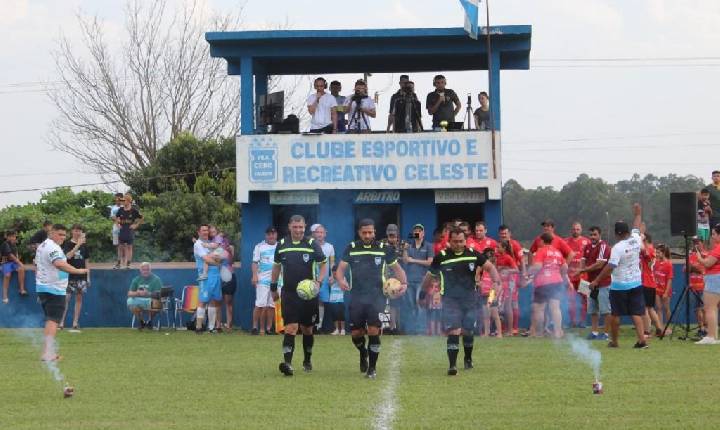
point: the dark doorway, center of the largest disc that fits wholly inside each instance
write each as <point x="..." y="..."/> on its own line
<point x="281" y="216"/>
<point x="381" y="214"/>
<point x="470" y="212"/>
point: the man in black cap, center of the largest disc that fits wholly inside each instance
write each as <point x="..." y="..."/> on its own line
<point x="558" y="242"/>
<point x="626" y="289"/>
<point x="417" y="257"/>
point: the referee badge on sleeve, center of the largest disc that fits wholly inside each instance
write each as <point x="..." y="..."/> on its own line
<point x="378" y="260"/>
<point x="306" y="257"/>
<point x="471" y="266"/>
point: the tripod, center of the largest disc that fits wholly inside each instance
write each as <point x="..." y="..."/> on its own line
<point x="469" y="113"/>
<point x="684" y="297"/>
<point x="354" y="125"/>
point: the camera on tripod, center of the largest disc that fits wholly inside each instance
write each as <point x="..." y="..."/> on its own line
<point x="358" y="97"/>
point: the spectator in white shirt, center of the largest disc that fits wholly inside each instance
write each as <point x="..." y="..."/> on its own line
<point x="321" y="106"/>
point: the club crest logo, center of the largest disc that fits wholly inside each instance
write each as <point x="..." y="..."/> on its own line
<point x="306" y="257"/>
<point x="378" y="260"/>
<point x="263" y="160"/>
<point x="471" y="266"/>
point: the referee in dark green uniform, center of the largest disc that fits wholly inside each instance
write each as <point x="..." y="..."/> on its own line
<point x="459" y="270"/>
<point x="367" y="261"/>
<point x="297" y="256"/>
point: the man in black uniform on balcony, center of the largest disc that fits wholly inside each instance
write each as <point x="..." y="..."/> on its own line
<point x="297" y="256"/>
<point x="459" y="269"/>
<point x="367" y="260"/>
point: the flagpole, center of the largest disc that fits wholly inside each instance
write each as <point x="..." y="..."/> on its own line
<point x="490" y="85"/>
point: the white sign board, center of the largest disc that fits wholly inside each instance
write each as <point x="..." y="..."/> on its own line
<point x="442" y="160"/>
<point x="460" y="196"/>
<point x="295" y="198"/>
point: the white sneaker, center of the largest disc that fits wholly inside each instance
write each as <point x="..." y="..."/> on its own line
<point x="335" y="333"/>
<point x="342" y="332"/>
<point x="707" y="340"/>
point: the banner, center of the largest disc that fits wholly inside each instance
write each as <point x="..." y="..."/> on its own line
<point x="471" y="17"/>
<point x="443" y="160"/>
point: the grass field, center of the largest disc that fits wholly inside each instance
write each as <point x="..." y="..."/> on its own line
<point x="125" y="379"/>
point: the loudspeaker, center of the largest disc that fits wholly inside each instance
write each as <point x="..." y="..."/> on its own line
<point x="683" y="214"/>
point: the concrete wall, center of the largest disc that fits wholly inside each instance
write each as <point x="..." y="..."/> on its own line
<point x="104" y="304"/>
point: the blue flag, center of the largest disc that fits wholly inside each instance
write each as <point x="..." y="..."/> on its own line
<point x="471" y="17"/>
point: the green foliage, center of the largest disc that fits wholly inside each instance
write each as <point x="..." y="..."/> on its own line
<point x="593" y="201"/>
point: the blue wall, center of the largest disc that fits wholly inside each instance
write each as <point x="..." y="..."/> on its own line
<point x="104" y="304"/>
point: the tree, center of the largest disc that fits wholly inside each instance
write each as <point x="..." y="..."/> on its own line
<point x="118" y="107"/>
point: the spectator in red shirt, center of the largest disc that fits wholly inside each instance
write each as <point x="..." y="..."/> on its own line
<point x="504" y="233"/>
<point x="481" y="239"/>
<point x="697" y="283"/>
<point x="663" y="274"/>
<point x="647" y="260"/>
<point x="557" y="241"/>
<point x="549" y="272"/>
<point x="595" y="257"/>
<point x="506" y="264"/>
<point x="711" y="295"/>
<point x="577" y="243"/>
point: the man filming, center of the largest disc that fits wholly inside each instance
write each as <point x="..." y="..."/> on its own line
<point x="405" y="109"/>
<point x="440" y="103"/>
<point x="360" y="107"/>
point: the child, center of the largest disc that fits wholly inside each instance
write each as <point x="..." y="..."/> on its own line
<point x="434" y="305"/>
<point x="704" y="212"/>
<point x="336" y="306"/>
<point x="489" y="304"/>
<point x="506" y="264"/>
<point x="663" y="272"/>
<point x="216" y="241"/>
<point x="697" y="283"/>
<point x="647" y="260"/>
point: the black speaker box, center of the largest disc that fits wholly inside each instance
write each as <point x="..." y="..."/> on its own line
<point x="683" y="214"/>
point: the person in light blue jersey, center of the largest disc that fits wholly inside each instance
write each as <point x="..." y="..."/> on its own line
<point x="210" y="296"/>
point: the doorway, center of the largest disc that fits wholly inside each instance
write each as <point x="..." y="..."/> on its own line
<point x="382" y="215"/>
<point x="281" y="216"/>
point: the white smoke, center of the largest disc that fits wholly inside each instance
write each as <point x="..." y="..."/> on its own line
<point x="37" y="339"/>
<point x="584" y="351"/>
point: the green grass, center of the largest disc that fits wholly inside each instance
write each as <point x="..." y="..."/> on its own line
<point x="147" y="380"/>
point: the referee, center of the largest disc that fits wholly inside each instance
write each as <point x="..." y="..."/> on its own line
<point x="297" y="255"/>
<point x="459" y="269"/>
<point x="367" y="261"/>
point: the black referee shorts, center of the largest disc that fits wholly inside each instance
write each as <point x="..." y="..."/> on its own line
<point x="298" y="311"/>
<point x="627" y="302"/>
<point x="53" y="306"/>
<point x="459" y="313"/>
<point x="365" y="312"/>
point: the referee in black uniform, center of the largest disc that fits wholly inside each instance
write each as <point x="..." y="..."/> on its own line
<point x="459" y="269"/>
<point x="367" y="260"/>
<point x="298" y="256"/>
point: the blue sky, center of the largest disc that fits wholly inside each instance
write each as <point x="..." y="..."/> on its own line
<point x="607" y="118"/>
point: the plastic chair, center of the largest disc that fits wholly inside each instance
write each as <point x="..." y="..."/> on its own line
<point x="187" y="303"/>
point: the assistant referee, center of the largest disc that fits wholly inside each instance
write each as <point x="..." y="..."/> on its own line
<point x="297" y="257"/>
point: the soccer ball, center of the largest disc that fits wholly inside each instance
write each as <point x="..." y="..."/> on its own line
<point x="392" y="288"/>
<point x="307" y="290"/>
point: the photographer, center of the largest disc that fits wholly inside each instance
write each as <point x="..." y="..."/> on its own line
<point x="360" y="107"/>
<point x="417" y="256"/>
<point x="405" y="109"/>
<point x="440" y="103"/>
<point x="321" y="105"/>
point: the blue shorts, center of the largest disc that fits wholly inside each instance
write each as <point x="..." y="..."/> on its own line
<point x="712" y="284"/>
<point x="139" y="302"/>
<point x="601" y="305"/>
<point x="210" y="289"/>
<point x="324" y="294"/>
<point x="10" y="267"/>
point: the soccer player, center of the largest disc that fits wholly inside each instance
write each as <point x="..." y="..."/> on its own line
<point x="595" y="256"/>
<point x="626" y="292"/>
<point x="481" y="239"/>
<point x="663" y="273"/>
<point x="549" y="271"/>
<point x="459" y="269"/>
<point x="697" y="279"/>
<point x="262" y="265"/>
<point x="506" y="264"/>
<point x="367" y="261"/>
<point x="210" y="296"/>
<point x="577" y="242"/>
<point x="297" y="256"/>
<point x="647" y="260"/>
<point x="504" y="233"/>
<point x="558" y="243"/>
<point x="51" y="282"/>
